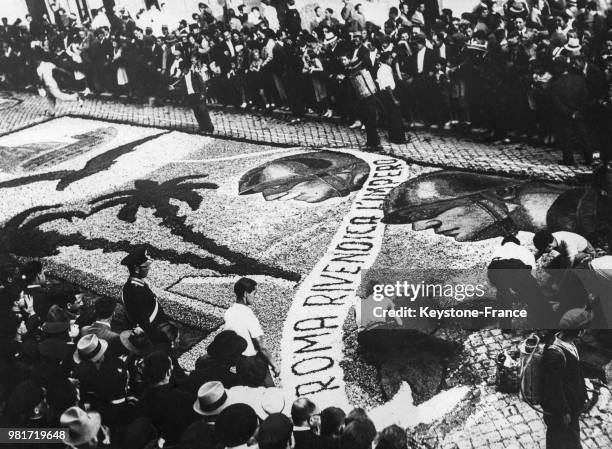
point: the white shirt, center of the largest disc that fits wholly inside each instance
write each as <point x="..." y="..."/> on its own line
<point x="269" y="12"/>
<point x="45" y="73"/>
<point x="421" y="59"/>
<point x="574" y="243"/>
<point x="384" y="77"/>
<point x="189" y="84"/>
<point x="373" y="54"/>
<point x="230" y="46"/>
<point x="511" y="250"/>
<point x="241" y="319"/>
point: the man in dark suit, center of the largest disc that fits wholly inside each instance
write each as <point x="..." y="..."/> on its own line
<point x="420" y="72"/>
<point x="563" y="391"/>
<point x="141" y="305"/>
<point x="168" y="407"/>
<point x="597" y="87"/>
<point x="193" y="86"/>
<point x="305" y="417"/>
<point x="104" y="310"/>
<point x="569" y="99"/>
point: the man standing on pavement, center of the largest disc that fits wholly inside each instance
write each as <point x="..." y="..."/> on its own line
<point x="569" y="98"/>
<point x="241" y="319"/>
<point x="563" y="391"/>
<point x="386" y="84"/>
<point x="194" y="90"/>
<point x="141" y="304"/>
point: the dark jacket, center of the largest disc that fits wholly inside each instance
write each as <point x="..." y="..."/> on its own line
<point x="169" y="409"/>
<point x="569" y="94"/>
<point x="140" y="302"/>
<point x="305" y="439"/>
<point x="563" y="387"/>
<point x="429" y="62"/>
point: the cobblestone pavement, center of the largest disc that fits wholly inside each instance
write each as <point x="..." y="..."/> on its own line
<point x="504" y="421"/>
<point x="438" y="149"/>
<point x="495" y="420"/>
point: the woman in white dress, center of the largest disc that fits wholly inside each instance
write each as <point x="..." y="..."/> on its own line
<point x="123" y="82"/>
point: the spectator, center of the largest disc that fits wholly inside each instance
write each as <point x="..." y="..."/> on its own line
<point x="85" y="430"/>
<point x="168" y="407"/>
<point x="104" y="312"/>
<point x="563" y="392"/>
<point x="241" y="319"/>
<point x="332" y="426"/>
<point x="236" y="425"/>
<point x="306" y="420"/>
<point x="275" y="432"/>
<point x="358" y="434"/>
<point x="392" y="437"/>
<point x="571" y="246"/>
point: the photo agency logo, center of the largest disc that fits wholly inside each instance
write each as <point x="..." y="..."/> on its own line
<point x="474" y="298"/>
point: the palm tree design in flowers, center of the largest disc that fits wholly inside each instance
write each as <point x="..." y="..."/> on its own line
<point x="22" y="234"/>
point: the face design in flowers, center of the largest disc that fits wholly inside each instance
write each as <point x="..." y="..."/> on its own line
<point x="309" y="177"/>
<point x="462" y="222"/>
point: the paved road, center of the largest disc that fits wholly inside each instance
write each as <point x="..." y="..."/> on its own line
<point x="437" y="149"/>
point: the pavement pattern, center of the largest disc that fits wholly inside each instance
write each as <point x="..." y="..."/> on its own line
<point x="425" y="147"/>
<point x="490" y="419"/>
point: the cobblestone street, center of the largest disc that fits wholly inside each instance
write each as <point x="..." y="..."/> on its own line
<point x="436" y="149"/>
<point x="492" y="419"/>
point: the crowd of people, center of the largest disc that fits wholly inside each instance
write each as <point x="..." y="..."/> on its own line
<point x="66" y="364"/>
<point x="536" y="69"/>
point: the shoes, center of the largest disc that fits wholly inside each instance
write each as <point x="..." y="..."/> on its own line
<point x="328" y="114"/>
<point x="448" y="125"/>
<point x="295" y="121"/>
<point x="356" y="124"/>
<point x="243" y="106"/>
<point x="363" y="127"/>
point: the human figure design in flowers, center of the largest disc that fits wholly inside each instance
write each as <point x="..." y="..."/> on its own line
<point x="310" y="177"/>
<point x="473" y="207"/>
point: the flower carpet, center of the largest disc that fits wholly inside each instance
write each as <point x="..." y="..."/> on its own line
<point x="307" y="224"/>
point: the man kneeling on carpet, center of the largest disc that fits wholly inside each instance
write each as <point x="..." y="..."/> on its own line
<point x="241" y="319"/>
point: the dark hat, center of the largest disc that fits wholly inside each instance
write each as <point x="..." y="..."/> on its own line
<point x="420" y="38"/>
<point x="137" y="343"/>
<point x="227" y="345"/>
<point x="197" y="435"/>
<point x="137" y="257"/>
<point x="57" y="322"/>
<point x="236" y="425"/>
<point x="30" y="269"/>
<point x="137" y="434"/>
<point x="275" y="430"/>
<point x="54" y="348"/>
